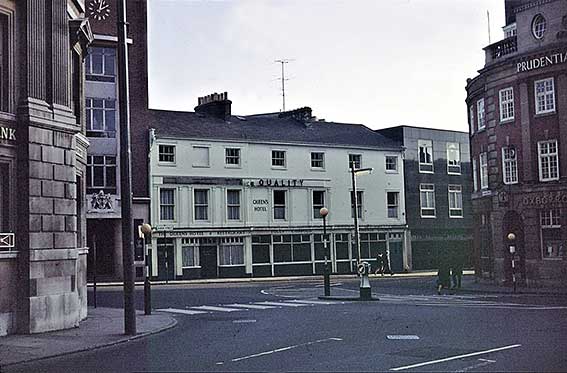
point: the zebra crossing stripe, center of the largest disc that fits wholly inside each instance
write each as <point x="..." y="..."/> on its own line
<point x="251" y="306"/>
<point x="282" y="304"/>
<point x="214" y="308"/>
<point x="177" y="310"/>
<point x="306" y="301"/>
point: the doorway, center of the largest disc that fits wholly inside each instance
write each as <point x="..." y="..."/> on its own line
<point x="208" y="258"/>
<point x="165" y="257"/>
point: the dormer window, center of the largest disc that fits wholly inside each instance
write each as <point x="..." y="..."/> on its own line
<point x="539" y="25"/>
<point x="509" y="30"/>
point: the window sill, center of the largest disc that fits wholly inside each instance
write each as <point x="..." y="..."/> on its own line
<point x="481" y="130"/>
<point x="232" y="166"/>
<point x="192" y="267"/>
<point x="544" y="114"/>
<point x="454" y="173"/>
<point x="201" y="166"/>
<point x="8" y="254"/>
<point x="507" y="121"/>
<point x="554" y="259"/>
<point x="392" y="172"/>
<point x="456" y="217"/>
<point x="231" y="265"/>
<point x="317" y="169"/>
<point x="428" y="217"/>
<point x="426" y="172"/>
<point x="279" y="168"/>
<point x="167" y="164"/>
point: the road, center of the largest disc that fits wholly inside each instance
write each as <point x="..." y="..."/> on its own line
<point x="276" y="326"/>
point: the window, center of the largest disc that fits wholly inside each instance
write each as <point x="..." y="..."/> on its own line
<point x="201" y="204"/>
<point x="453" y="158"/>
<point x="506" y="104"/>
<point x="455" y="201"/>
<point x="480" y="114"/>
<point x="471" y="118"/>
<point x="100" y="64"/>
<point x="425" y="156"/>
<point x="232" y="157"/>
<point x="357" y="159"/>
<point x="101" y="173"/>
<point x="393" y="204"/>
<point x="427" y="197"/>
<point x="317" y="160"/>
<point x="261" y="249"/>
<point x="231" y="251"/>
<point x="548" y="160"/>
<point x="167" y="153"/>
<point x="279" y="204"/>
<point x="544" y="96"/>
<point x="474" y="175"/>
<point x="483" y="170"/>
<point x="551" y="243"/>
<point x="278" y="158"/>
<point x="318" y="203"/>
<point x="509" y="165"/>
<point x="509" y="30"/>
<point x="233" y="204"/>
<point x="391" y="163"/>
<point x="101" y="117"/>
<point x="5" y="36"/>
<point x="201" y="156"/>
<point x="358" y="204"/>
<point x="292" y="248"/>
<point x="539" y="25"/>
<point x="166" y="204"/>
<point x="6" y="202"/>
<point x="189" y="252"/>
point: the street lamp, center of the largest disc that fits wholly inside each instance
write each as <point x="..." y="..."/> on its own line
<point x="511" y="238"/>
<point x="326" y="273"/>
<point x="146" y="230"/>
<point x="365" y="292"/>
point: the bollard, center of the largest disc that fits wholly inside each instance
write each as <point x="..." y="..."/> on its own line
<point x="327" y="279"/>
<point x="365" y="289"/>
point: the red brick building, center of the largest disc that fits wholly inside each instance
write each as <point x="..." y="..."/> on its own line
<point x="517" y="108"/>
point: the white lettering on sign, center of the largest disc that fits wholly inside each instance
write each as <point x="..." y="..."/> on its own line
<point x="276" y="183"/>
<point x="7" y="133"/>
<point x="539" y="62"/>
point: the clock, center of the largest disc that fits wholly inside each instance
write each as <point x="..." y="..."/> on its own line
<point x="99" y="9"/>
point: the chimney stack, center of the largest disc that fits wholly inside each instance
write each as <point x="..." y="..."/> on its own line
<point x="215" y="105"/>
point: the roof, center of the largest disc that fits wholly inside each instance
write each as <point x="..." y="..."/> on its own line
<point x="265" y="128"/>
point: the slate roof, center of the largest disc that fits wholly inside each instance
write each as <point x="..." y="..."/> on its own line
<point x="266" y="128"/>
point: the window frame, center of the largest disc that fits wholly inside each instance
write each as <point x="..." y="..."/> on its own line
<point x="200" y="205"/>
<point x="395" y="206"/>
<point x="475" y="175"/>
<point x="231" y="243"/>
<point x="429" y="190"/>
<point x="193" y="244"/>
<point x="90" y="117"/>
<point x="509" y="165"/>
<point x="233" y="205"/>
<point x="228" y="157"/>
<point x="539" y="28"/>
<point x="457" y="191"/>
<point x="545" y="93"/>
<point x="317" y="207"/>
<point x="279" y="206"/>
<point x="480" y="115"/>
<point x="550" y="156"/>
<point x="172" y="154"/>
<point x="553" y="218"/>
<point x="7" y="76"/>
<point x="105" y="75"/>
<point x="276" y="159"/>
<point x="171" y="205"/>
<point x="471" y="119"/>
<point x="194" y="153"/>
<point x="506" y="100"/>
<point x="322" y="160"/>
<point x="359" y="203"/>
<point x="483" y="169"/>
<point x="106" y="166"/>
<point x="424" y="166"/>
<point x="352" y="157"/>
<point x="457" y="162"/>
<point x="396" y="163"/>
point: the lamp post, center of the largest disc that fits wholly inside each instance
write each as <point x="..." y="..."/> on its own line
<point x="326" y="272"/>
<point x="511" y="238"/>
<point x="146" y="230"/>
<point x="365" y="291"/>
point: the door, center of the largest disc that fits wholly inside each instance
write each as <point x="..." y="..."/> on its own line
<point x="396" y="256"/>
<point x="165" y="256"/>
<point x="208" y="260"/>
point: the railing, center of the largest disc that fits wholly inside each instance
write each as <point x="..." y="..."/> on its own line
<point x="501" y="48"/>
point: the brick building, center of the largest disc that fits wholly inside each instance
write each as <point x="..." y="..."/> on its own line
<point x="42" y="165"/>
<point x="517" y="108"/>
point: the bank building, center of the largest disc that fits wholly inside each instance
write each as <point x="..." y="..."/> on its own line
<point x="240" y="196"/>
<point x="517" y="108"/>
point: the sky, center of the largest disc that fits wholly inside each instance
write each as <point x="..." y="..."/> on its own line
<point x="381" y="63"/>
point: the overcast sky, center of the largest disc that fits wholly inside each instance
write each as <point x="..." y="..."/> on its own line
<point x="381" y="63"/>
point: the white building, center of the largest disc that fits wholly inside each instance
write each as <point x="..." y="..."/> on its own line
<point x="240" y="196"/>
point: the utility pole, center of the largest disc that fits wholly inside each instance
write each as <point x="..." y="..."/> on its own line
<point x="283" y="61"/>
<point x="125" y="173"/>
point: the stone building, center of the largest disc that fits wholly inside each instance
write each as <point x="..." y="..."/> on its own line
<point x="42" y="165"/>
<point x="517" y="108"/>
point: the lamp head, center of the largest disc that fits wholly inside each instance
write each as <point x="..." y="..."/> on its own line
<point x="511" y="236"/>
<point x="324" y="211"/>
<point x="146" y="228"/>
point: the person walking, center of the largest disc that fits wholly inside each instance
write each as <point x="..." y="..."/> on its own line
<point x="380" y="263"/>
<point x="443" y="275"/>
<point x="457" y="271"/>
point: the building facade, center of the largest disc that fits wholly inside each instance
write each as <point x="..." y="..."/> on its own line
<point x="42" y="165"/>
<point x="103" y="195"/>
<point x="437" y="186"/>
<point x="237" y="196"/>
<point x="517" y="108"/>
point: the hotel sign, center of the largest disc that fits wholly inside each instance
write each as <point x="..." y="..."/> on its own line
<point x="539" y="62"/>
<point x="7" y="133"/>
<point x="276" y="183"/>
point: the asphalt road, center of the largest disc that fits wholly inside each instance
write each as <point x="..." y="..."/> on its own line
<point x="283" y="327"/>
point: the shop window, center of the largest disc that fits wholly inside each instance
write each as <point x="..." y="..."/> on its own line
<point x="393" y="200"/>
<point x="425" y="149"/>
<point x="232" y="157"/>
<point x="453" y="158"/>
<point x="318" y="160"/>
<point x="278" y="158"/>
<point x="101" y="117"/>
<point x="359" y="201"/>
<point x="261" y="249"/>
<point x="509" y="165"/>
<point x="391" y="163"/>
<point x="292" y="248"/>
<point x="427" y="200"/>
<point x="480" y="118"/>
<point x="201" y="204"/>
<point x="101" y="174"/>
<point x="552" y="244"/>
<point x="318" y="203"/>
<point x="231" y="251"/>
<point x="100" y="64"/>
<point x="189" y="252"/>
<point x="506" y="104"/>
<point x="279" y="204"/>
<point x="357" y="159"/>
<point x="319" y="246"/>
<point x="370" y="245"/>
<point x="544" y="96"/>
<point x="455" y="201"/>
<point x="166" y="204"/>
<point x="548" y="160"/>
<point x="166" y="153"/>
<point x="341" y="246"/>
<point x="233" y="204"/>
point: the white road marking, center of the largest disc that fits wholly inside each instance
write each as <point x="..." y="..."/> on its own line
<point x="401" y="337"/>
<point x="307" y="301"/>
<point x="250" y="306"/>
<point x="282" y="304"/>
<point x="213" y="308"/>
<point x="456" y="357"/>
<point x="185" y="312"/>
<point x="483" y="363"/>
<point x="243" y="321"/>
<point x="285" y="349"/>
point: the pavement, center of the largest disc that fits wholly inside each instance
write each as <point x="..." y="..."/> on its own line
<point x="105" y="326"/>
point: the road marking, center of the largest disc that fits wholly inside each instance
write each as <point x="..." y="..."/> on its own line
<point x="213" y="308"/>
<point x="250" y="306"/>
<point x="185" y="312"/>
<point x="402" y="337"/>
<point x="282" y="304"/>
<point x="285" y="349"/>
<point x="456" y="357"/>
<point x="306" y="301"/>
<point x="243" y="321"/>
<point x="483" y="362"/>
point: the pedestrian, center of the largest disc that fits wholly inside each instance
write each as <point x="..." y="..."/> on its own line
<point x="388" y="263"/>
<point x="456" y="271"/>
<point x="380" y="262"/>
<point x="443" y="275"/>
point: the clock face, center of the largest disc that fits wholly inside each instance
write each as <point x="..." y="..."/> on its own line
<point x="99" y="9"/>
